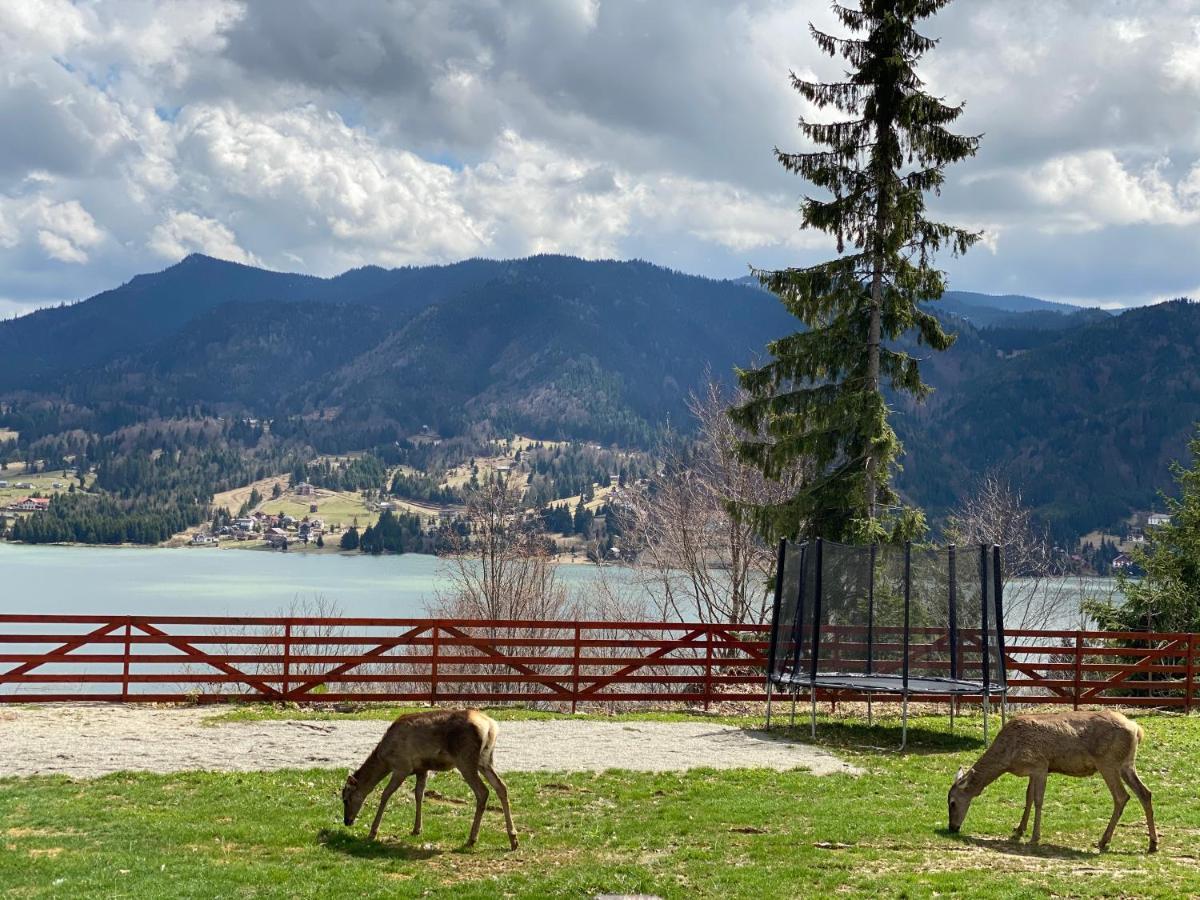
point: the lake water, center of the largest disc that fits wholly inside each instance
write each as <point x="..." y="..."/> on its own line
<point x="200" y="581"/>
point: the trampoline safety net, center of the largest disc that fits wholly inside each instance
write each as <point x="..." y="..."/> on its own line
<point x="884" y="618"/>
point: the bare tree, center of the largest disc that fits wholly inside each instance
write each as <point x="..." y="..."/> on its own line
<point x="1039" y="591"/>
<point x="502" y="568"/>
<point x="694" y="554"/>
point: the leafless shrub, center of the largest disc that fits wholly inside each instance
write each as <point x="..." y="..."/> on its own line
<point x="697" y="559"/>
<point x="503" y="570"/>
<point x="1039" y="590"/>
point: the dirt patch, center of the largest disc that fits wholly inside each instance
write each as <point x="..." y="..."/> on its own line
<point x="90" y="740"/>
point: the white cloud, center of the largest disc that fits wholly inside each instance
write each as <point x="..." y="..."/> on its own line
<point x="185" y="232"/>
<point x="337" y="135"/>
<point x="1093" y="190"/>
<point x="64" y="231"/>
<point x="1182" y="65"/>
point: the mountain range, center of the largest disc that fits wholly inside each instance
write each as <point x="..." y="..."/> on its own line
<point x="1082" y="408"/>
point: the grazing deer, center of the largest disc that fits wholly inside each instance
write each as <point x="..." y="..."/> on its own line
<point x="433" y="741"/>
<point x="1079" y="744"/>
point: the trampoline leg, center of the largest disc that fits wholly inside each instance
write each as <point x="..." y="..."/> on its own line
<point x="870" y="717"/>
<point x="986" y="712"/>
<point x="952" y="705"/>
<point x="812" y="715"/>
<point x="904" y="724"/>
<point x="793" y="709"/>
<point x="768" y="704"/>
<point x="1003" y="710"/>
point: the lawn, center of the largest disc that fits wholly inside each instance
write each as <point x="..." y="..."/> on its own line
<point x="748" y="833"/>
<point x="43" y="483"/>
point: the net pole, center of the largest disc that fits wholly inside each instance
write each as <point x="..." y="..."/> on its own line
<point x="871" y="631"/>
<point x="816" y="633"/>
<point x="985" y="589"/>
<point x="1001" y="668"/>
<point x="798" y="621"/>
<point x="952" y="562"/>
<point x="816" y="621"/>
<point x="780" y="559"/>
<point x="907" y="602"/>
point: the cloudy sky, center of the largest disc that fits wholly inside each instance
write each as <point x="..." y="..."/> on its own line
<point x="316" y="136"/>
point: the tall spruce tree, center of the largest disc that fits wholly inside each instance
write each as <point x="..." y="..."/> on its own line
<point x="819" y="403"/>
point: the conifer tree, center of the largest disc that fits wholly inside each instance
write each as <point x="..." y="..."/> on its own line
<point x="1167" y="598"/>
<point x="818" y="403"/>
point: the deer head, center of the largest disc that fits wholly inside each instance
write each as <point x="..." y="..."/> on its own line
<point x="958" y="801"/>
<point x="353" y="795"/>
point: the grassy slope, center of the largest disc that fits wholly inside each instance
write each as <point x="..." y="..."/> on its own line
<point x="731" y="834"/>
<point x="43" y="483"/>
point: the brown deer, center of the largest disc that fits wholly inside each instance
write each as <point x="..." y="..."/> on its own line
<point x="1079" y="744"/>
<point x="432" y="741"/>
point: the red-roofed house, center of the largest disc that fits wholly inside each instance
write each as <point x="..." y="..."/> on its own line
<point x="31" y="504"/>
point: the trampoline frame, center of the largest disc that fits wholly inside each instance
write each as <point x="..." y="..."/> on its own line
<point x="904" y="684"/>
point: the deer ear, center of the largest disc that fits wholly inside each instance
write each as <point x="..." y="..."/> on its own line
<point x="959" y="775"/>
<point x="351" y="780"/>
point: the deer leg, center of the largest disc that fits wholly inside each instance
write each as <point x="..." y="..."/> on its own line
<point x="419" y="794"/>
<point x="1038" y="782"/>
<point x="471" y="776"/>
<point x="501" y="790"/>
<point x="1143" y="794"/>
<point x="1028" y="805"/>
<point x="1120" y="798"/>
<point x="397" y="780"/>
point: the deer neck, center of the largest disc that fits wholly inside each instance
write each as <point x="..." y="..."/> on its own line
<point x="370" y="773"/>
<point x="987" y="769"/>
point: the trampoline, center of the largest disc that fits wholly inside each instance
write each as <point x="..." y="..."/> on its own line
<point x="884" y="619"/>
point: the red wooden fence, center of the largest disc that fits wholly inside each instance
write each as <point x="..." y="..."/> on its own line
<point x="49" y="658"/>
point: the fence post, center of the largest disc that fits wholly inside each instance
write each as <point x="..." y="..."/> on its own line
<point x="1078" y="667"/>
<point x="708" y="665"/>
<point x="287" y="657"/>
<point x="125" y="662"/>
<point x="1191" y="674"/>
<point x="575" y="671"/>
<point x="433" y="668"/>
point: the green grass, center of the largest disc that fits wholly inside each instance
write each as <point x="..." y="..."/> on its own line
<point x="43" y="483"/>
<point x="748" y="833"/>
<point x="342" y="508"/>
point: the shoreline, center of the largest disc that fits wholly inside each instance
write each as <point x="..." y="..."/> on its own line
<point x="307" y="551"/>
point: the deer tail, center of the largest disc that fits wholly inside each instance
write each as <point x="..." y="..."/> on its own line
<point x="1141" y="734"/>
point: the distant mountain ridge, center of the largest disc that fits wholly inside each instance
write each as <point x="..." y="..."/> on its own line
<point x="1083" y="408"/>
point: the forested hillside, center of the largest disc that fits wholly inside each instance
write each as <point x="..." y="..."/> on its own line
<point x="1088" y="424"/>
<point x="1082" y="408"/>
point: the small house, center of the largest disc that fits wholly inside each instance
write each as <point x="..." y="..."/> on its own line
<point x="1157" y="520"/>
<point x="31" y="504"/>
<point x="1121" y="561"/>
<point x="303" y="489"/>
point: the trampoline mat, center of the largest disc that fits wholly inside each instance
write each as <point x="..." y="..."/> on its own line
<point x="888" y="684"/>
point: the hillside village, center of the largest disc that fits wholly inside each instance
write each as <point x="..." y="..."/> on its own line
<point x="282" y="512"/>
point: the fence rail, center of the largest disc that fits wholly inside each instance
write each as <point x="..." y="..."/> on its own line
<point x="52" y="658"/>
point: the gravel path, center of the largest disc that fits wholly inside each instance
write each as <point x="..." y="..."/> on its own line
<point x="86" y="741"/>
